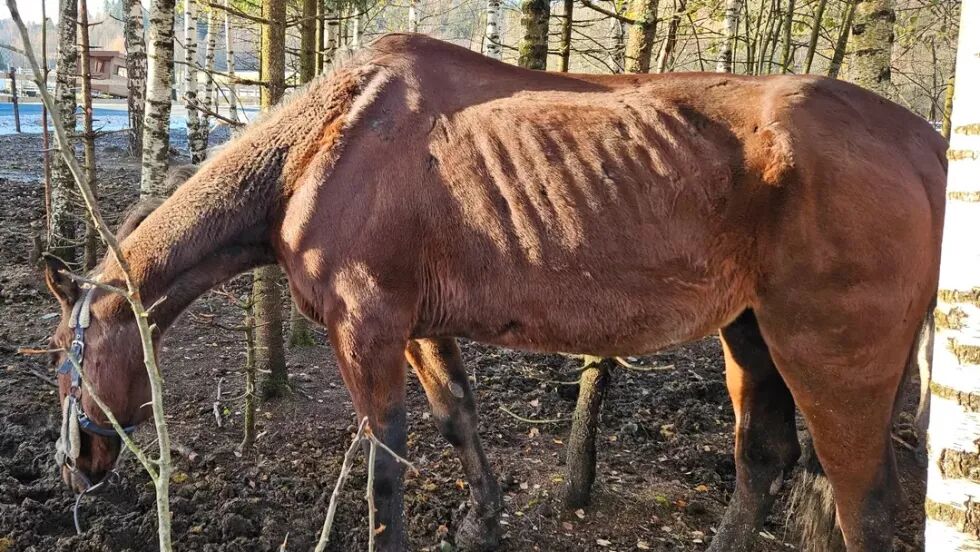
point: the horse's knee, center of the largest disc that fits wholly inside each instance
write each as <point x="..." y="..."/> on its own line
<point x="768" y="440"/>
<point x="451" y="428"/>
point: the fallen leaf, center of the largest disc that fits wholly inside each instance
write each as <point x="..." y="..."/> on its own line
<point x="580" y="513"/>
<point x="603" y="542"/>
<point x="643" y="545"/>
<point x="701" y="488"/>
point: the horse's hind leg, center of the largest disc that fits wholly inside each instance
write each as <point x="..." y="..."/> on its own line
<point x="766" y="445"/>
<point x="847" y="398"/>
<point x="440" y="369"/>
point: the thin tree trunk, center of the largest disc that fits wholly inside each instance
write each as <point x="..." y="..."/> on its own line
<point x="788" y="36"/>
<point x="640" y="36"/>
<point x="670" y="41"/>
<point x="952" y="512"/>
<point x="733" y="10"/>
<point x="491" y="44"/>
<point x="266" y="293"/>
<point x="321" y="29"/>
<point x="250" y="396"/>
<point x="12" y="74"/>
<point x="135" y="73"/>
<point x="230" y="62"/>
<point x="300" y="333"/>
<point x="533" y="48"/>
<point x="195" y="145"/>
<point x="88" y="136"/>
<point x="332" y="33"/>
<point x="948" y="108"/>
<point x="159" y="80"/>
<point x="413" y="16"/>
<point x="64" y="205"/>
<point x="872" y="37"/>
<point x="210" y="87"/>
<point x="355" y="28"/>
<point x="774" y="25"/>
<point x="840" y="49"/>
<point x="617" y="56"/>
<point x="566" y="33"/>
<point x="811" y="49"/>
<point x="46" y="139"/>
<point x="751" y="44"/>
<point x="581" y="452"/>
<point x="307" y="47"/>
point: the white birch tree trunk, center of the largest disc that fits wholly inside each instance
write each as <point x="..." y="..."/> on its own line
<point x="195" y="144"/>
<point x="872" y="35"/>
<point x="230" y="61"/>
<point x="491" y="44"/>
<point x="413" y="16"/>
<point x="355" y="26"/>
<point x="953" y="494"/>
<point x="159" y="80"/>
<point x="210" y="90"/>
<point x="64" y="214"/>
<point x="733" y="10"/>
<point x="135" y="73"/>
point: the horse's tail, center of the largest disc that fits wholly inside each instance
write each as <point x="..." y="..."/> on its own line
<point x="921" y="361"/>
<point x="812" y="508"/>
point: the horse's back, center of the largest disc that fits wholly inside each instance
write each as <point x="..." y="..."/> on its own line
<point x="672" y="202"/>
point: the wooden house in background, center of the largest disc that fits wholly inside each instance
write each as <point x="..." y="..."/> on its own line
<point x="109" y="73"/>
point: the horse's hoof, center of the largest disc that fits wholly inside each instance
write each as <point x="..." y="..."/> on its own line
<point x="478" y="534"/>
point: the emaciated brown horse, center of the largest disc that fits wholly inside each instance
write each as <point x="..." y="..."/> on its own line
<point x="424" y="192"/>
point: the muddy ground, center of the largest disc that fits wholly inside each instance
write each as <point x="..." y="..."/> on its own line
<point x="665" y="468"/>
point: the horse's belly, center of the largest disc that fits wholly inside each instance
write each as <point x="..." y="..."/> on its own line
<point x="635" y="314"/>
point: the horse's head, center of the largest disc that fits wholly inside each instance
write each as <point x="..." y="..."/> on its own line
<point x="96" y="338"/>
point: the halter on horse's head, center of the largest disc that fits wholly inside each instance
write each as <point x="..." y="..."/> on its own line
<point x="74" y="419"/>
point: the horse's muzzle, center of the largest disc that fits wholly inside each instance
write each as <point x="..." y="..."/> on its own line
<point x="79" y="482"/>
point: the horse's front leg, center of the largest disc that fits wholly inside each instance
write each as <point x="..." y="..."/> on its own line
<point x="370" y="351"/>
<point x="439" y="366"/>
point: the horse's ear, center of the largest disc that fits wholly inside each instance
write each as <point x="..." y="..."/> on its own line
<point x="136" y="215"/>
<point x="64" y="289"/>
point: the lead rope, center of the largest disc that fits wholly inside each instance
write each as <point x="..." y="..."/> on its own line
<point x="109" y="478"/>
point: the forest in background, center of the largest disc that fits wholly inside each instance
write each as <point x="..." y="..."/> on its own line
<point x="685" y="35"/>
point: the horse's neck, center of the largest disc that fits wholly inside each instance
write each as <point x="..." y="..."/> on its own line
<point x="212" y="228"/>
<point x="219" y="223"/>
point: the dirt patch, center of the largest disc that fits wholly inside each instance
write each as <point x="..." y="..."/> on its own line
<point x="665" y="468"/>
